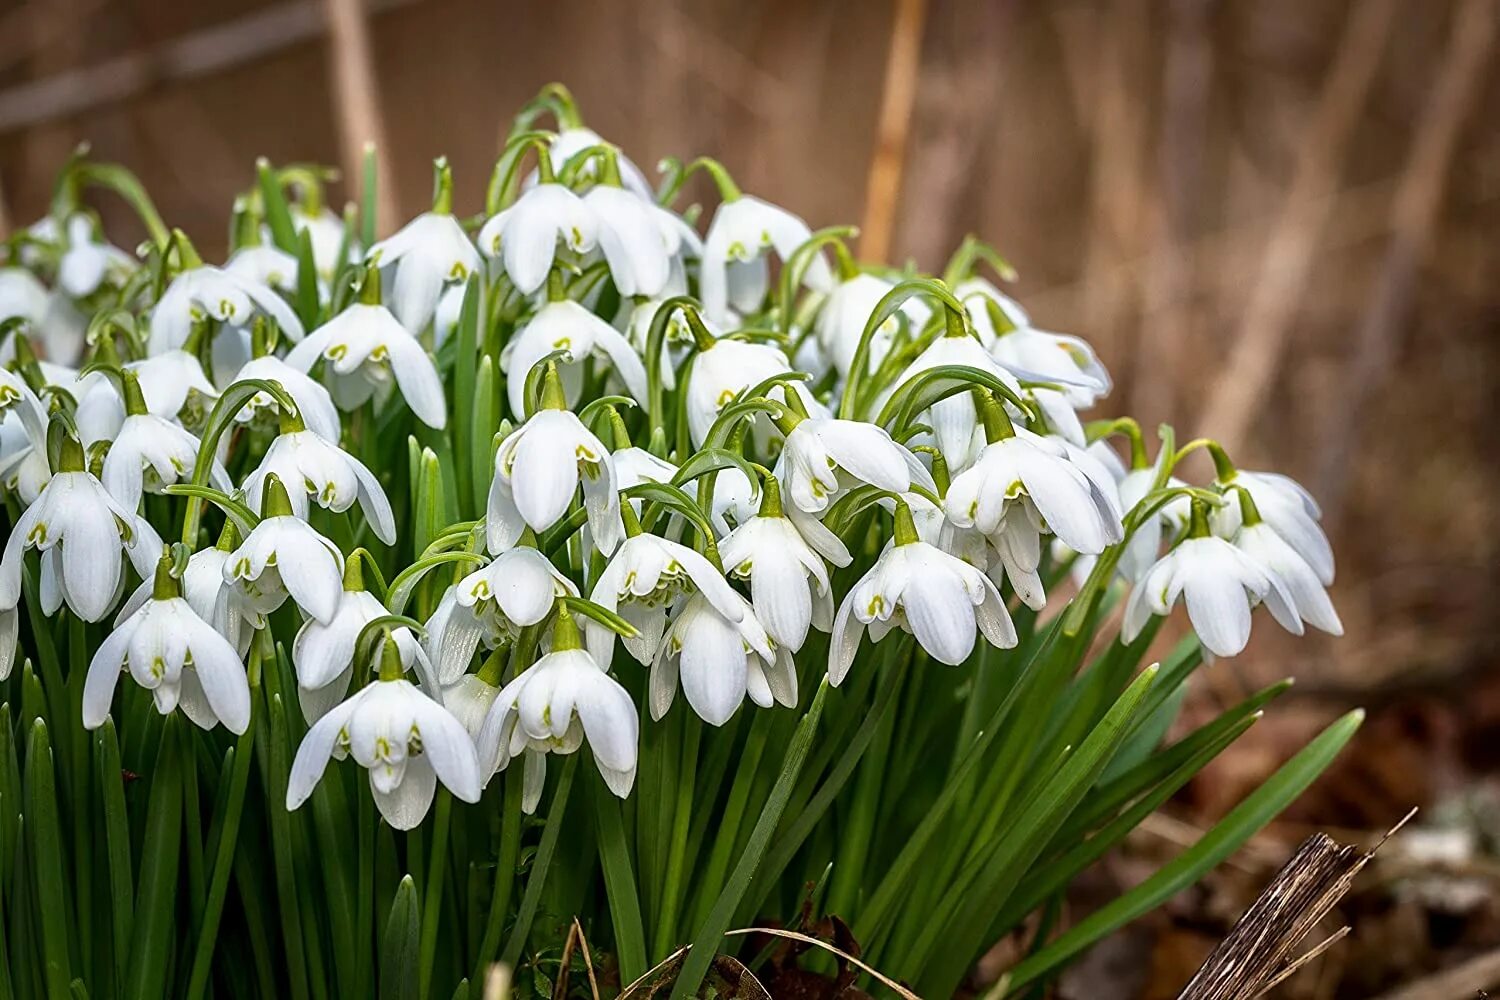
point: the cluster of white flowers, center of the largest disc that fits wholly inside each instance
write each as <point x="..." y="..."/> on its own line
<point x="922" y="435"/>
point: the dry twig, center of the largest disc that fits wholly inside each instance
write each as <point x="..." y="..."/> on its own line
<point x="357" y="101"/>
<point x="899" y="93"/>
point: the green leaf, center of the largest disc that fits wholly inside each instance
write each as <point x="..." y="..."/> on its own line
<point x="466" y="425"/>
<point x="619" y="884"/>
<point x="540" y="862"/>
<point x="116" y="843"/>
<point x="156" y="901"/>
<point x="368" y="190"/>
<point x="706" y="941"/>
<point x="399" y="946"/>
<point x="278" y="213"/>
<point x="226" y="836"/>
<point x="47" y="862"/>
<point x="306" y="301"/>
<point x="1247" y="818"/>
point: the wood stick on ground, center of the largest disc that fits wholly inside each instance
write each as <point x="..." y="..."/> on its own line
<point x="899" y="92"/>
<point x="1259" y="948"/>
<point x="1413" y="218"/>
<point x="1287" y="262"/>
<point x="357" y="104"/>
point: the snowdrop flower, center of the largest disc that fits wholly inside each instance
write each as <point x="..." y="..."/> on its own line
<point x="720" y="661"/>
<point x="1220" y="585"/>
<point x="926" y="592"/>
<point x="571" y="140"/>
<point x="150" y="453"/>
<point x="734" y="269"/>
<point x="789" y="586"/>
<point x="314" y="404"/>
<point x="524" y="237"/>
<point x="724" y="368"/>
<point x="406" y="740"/>
<point x="1022" y="469"/>
<point x="564" y="325"/>
<point x="631" y="239"/>
<point x="23" y="462"/>
<point x="1266" y="547"/>
<point x="172" y="652"/>
<point x="74" y="515"/>
<point x="735" y="501"/>
<point x="172" y="384"/>
<point x="841" y="321"/>
<point x="978" y="295"/>
<point x="16" y="397"/>
<point x="323" y="652"/>
<point x="207" y="593"/>
<point x="266" y="265"/>
<point x="283" y="556"/>
<point x="538" y="469"/>
<point x="1054" y="357"/>
<point x="22" y="294"/>
<point x="954" y="420"/>
<point x="647" y="574"/>
<point x="469" y="699"/>
<point x="88" y="260"/>
<point x="427" y="253"/>
<point x="517" y="589"/>
<point x="325" y="472"/>
<point x="823" y="457"/>
<point x="1143" y="548"/>
<point x="552" y="707"/>
<point x="201" y="291"/>
<point x="634" y="466"/>
<point x="364" y="349"/>
<point x="1290" y="511"/>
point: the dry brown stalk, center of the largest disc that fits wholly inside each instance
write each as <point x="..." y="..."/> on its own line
<point x="1287" y="261"/>
<point x="357" y="103"/>
<point x="899" y="93"/>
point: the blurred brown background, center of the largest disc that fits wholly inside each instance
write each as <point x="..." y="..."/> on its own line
<point x="1276" y="220"/>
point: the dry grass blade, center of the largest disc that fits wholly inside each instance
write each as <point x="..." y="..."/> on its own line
<point x="651" y="973"/>
<point x="588" y="958"/>
<point x="1255" y="954"/>
<point x="1306" y="957"/>
<point x="896" y="987"/>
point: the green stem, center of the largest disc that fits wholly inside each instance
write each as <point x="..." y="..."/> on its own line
<point x="436" y="879"/>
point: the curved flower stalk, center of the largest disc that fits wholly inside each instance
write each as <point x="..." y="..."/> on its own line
<point x="407" y="741"/>
<point x="552" y="707"/>
<point x="169" y="650"/>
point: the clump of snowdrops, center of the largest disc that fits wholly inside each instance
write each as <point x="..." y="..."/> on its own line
<point x="372" y="608"/>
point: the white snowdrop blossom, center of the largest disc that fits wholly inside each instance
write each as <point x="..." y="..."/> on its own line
<point x="841" y="322"/>
<point x="1290" y="511"/>
<point x="538" y="469"/>
<point x="150" y="453"/>
<point x="314" y="404"/>
<point x="567" y="326"/>
<point x="824" y="456"/>
<point x="323" y="652"/>
<point x="266" y="265"/>
<point x="955" y="420"/>
<point x="632" y="240"/>
<point x="1265" y="546"/>
<point x="284" y="556"/>
<point x="207" y="292"/>
<point x="551" y="707"/>
<point x="1035" y="474"/>
<point x="427" y="253"/>
<point x="726" y="368"/>
<point x="1219" y="583"/>
<point x="719" y="662"/>
<point x="311" y="466"/>
<point x="83" y="534"/>
<point x="169" y="650"/>
<point x="406" y="740"/>
<point x="934" y="596"/>
<point x="89" y="261"/>
<point x="735" y="272"/>
<point x="643" y="579"/>
<point x="365" y="350"/>
<point x="789" y="585"/>
<point x="524" y="237"/>
<point x="517" y="589"/>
